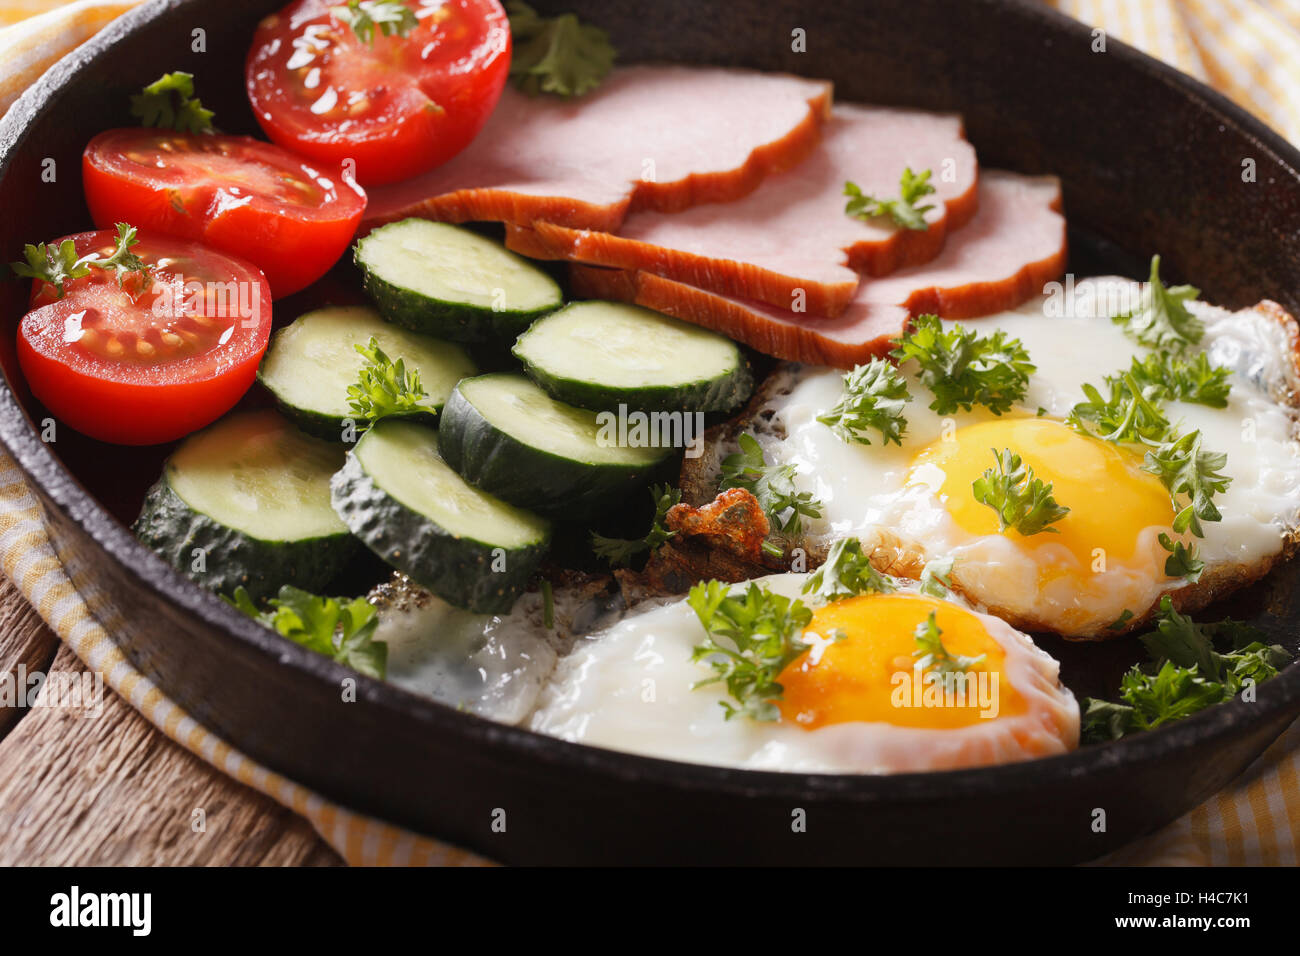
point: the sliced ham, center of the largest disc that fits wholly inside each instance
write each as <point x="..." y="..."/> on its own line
<point x="1014" y="245"/>
<point x="790" y="240"/>
<point x="651" y="137"/>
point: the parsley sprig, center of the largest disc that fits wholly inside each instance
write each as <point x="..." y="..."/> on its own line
<point x="559" y="55"/>
<point x="384" y="387"/>
<point x="1022" y="501"/>
<point x="1184" y="380"/>
<point x="846" y="572"/>
<point x="963" y="369"/>
<point x="873" y="398"/>
<point x="750" y="639"/>
<point x="169" y="102"/>
<point x="58" y="265"/>
<point x="772" y="485"/>
<point x="391" y="16"/>
<point x="1161" y="319"/>
<point x="342" y="629"/>
<point x="1186" y="674"/>
<point x="619" y="552"/>
<point x="931" y="654"/>
<point x="912" y="187"/>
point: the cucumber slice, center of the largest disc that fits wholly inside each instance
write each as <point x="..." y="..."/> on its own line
<point x="453" y="283"/>
<point x="247" y="502"/>
<point x="507" y="436"/>
<point x="312" y="361"/>
<point x="603" y="354"/>
<point x="404" y="503"/>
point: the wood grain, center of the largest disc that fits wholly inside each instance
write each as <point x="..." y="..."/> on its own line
<point x="109" y="789"/>
<point x="26" y="645"/>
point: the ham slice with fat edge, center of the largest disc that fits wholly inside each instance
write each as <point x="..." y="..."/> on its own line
<point x="651" y="137"/>
<point x="1014" y="245"/>
<point x="790" y="240"/>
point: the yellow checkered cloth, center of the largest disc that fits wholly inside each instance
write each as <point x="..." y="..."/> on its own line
<point x="1249" y="49"/>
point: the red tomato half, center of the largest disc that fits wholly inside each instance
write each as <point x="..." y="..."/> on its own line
<point x="252" y="199"/>
<point x="155" y="358"/>
<point x="397" y="107"/>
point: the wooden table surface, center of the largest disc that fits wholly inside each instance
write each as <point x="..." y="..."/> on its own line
<point x="79" y="788"/>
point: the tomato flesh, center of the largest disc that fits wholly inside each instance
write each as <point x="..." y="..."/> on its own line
<point x="155" y="358"/>
<point x="292" y="219"/>
<point x="397" y="107"/>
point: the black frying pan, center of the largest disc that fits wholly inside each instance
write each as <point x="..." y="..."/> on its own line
<point x="1151" y="161"/>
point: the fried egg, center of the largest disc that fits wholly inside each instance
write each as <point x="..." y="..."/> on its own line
<point x="856" y="704"/>
<point x="1103" y="564"/>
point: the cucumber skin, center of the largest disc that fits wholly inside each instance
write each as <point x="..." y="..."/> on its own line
<point x="456" y="569"/>
<point x="445" y="320"/>
<point x="528" y="477"/>
<point x="173" y="530"/>
<point x="716" y="395"/>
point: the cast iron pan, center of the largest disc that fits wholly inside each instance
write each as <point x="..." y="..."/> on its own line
<point x="1151" y="161"/>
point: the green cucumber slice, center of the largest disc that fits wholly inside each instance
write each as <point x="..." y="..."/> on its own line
<point x="247" y="502"/>
<point x="505" y="435"/>
<point x="450" y="282"/>
<point x="404" y="503"/>
<point x="312" y="361"/>
<point x="603" y="354"/>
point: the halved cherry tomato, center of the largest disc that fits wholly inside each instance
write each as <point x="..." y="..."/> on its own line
<point x="292" y="219"/>
<point x="398" y="106"/>
<point x="151" y="359"/>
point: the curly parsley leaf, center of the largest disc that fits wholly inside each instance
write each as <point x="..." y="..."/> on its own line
<point x="59" y="265"/>
<point x="619" y="552"/>
<point x="341" y="629"/>
<point x="559" y="55"/>
<point x="1130" y="413"/>
<point x="874" y="396"/>
<point x="1161" y="319"/>
<point x="963" y="369"/>
<point x="1184" y="380"/>
<point x="384" y="388"/>
<point x="912" y="187"/>
<point x="1192" y="477"/>
<point x="391" y="16"/>
<point x="1021" y="501"/>
<point x="931" y="654"/>
<point x="1183" y="561"/>
<point x="169" y="102"/>
<point x="846" y="572"/>
<point x="772" y="485"/>
<point x="750" y="640"/>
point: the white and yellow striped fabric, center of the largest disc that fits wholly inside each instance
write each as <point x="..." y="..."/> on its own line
<point x="1249" y="49"/>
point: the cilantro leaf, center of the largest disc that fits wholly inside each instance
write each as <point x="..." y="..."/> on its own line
<point x="874" y="396"/>
<point x="169" y="102"/>
<point x="341" y="629"/>
<point x="912" y="187"/>
<point x="59" y="265"/>
<point x="391" y="16"/>
<point x="772" y="485"/>
<point x="1161" y="319"/>
<point x="1021" y="501"/>
<point x="1190" y="473"/>
<point x="750" y="641"/>
<point x="559" y="55"/>
<point x="620" y="551"/>
<point x="846" y="572"/>
<point x="963" y="369"/>
<point x="384" y="387"/>
<point x="931" y="654"/>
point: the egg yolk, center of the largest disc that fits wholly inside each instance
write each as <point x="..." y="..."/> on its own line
<point x="1111" y="499"/>
<point x="870" y="673"/>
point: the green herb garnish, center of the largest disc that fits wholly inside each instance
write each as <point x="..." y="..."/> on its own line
<point x="385" y="388"/>
<point x="1185" y="380"/>
<point x="391" y="16"/>
<point x="750" y="640"/>
<point x="874" y="396"/>
<point x="1192" y="476"/>
<point x="559" y="55"/>
<point x="772" y="485"/>
<point x="846" y="572"/>
<point x="1183" y="561"/>
<point x="903" y="210"/>
<point x="169" y="102"/>
<point x="620" y="551"/>
<point x="931" y="655"/>
<point x="1021" y="501"/>
<point x="1161" y="320"/>
<point x="963" y="369"/>
<point x="936" y="578"/>
<point x="59" y="265"/>
<point x="342" y="629"/>
<point x="1130" y="413"/>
